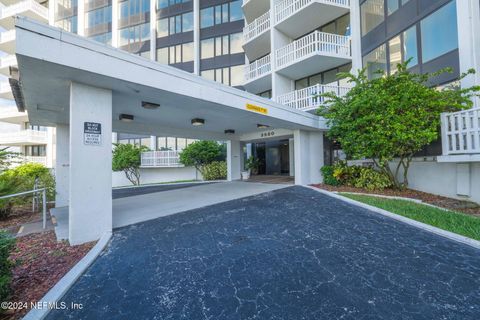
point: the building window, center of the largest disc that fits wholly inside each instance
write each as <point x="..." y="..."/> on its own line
<point x="410" y="49"/>
<point x="219" y="46"/>
<point x="266" y="94"/>
<point x="439" y="32"/>
<point x="132" y="8"/>
<point x="232" y="76"/>
<point x="176" y="54"/>
<point x="175" y="24"/>
<point x="98" y="17"/>
<point x="134" y="34"/>
<point x="105" y="38"/>
<point x="207" y="48"/>
<point x="327" y="77"/>
<point x="161" y="4"/>
<point x="372" y="14"/>
<point x="395" y="53"/>
<point x="227" y="12"/>
<point x="340" y="26"/>
<point x="68" y="24"/>
<point x="375" y="62"/>
<point x="36" y="151"/>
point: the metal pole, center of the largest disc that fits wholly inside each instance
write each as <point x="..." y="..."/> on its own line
<point x="44" y="208"/>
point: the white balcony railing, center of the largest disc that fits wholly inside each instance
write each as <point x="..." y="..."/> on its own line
<point x="314" y="43"/>
<point x="461" y="132"/>
<point x="22" y="7"/>
<point x="23" y="137"/>
<point x="257" y="68"/>
<point x="153" y="159"/>
<point x="286" y="8"/>
<point x="257" y="27"/>
<point x="308" y="98"/>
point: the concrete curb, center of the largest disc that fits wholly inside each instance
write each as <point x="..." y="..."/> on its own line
<point x="58" y="291"/>
<point x="167" y="184"/>
<point x="446" y="234"/>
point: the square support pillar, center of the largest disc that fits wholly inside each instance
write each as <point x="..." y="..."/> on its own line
<point x="308" y="149"/>
<point x="233" y="160"/>
<point x="62" y="162"/>
<point x="90" y="191"/>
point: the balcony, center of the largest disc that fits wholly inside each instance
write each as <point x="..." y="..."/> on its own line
<point x="160" y="159"/>
<point x="258" y="75"/>
<point x="316" y="52"/>
<point x="256" y="37"/>
<point x="461" y="135"/>
<point x="30" y="159"/>
<point x="11" y="115"/>
<point x="7" y="41"/>
<point x="6" y="62"/>
<point x="252" y="9"/>
<point x="26" y="8"/>
<point x="297" y="17"/>
<point x="23" y="138"/>
<point x="308" y="98"/>
<point x="5" y="90"/>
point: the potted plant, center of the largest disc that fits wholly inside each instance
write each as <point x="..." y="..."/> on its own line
<point x="252" y="164"/>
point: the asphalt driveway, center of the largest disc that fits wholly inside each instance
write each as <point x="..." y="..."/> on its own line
<point x="288" y="254"/>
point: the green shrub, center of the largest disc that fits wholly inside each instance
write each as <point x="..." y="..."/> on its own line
<point x="6" y="246"/>
<point x="27" y="173"/>
<point x="9" y="184"/>
<point x="216" y="170"/>
<point x="371" y="179"/>
<point x="328" y="178"/>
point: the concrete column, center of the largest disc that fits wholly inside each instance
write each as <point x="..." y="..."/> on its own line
<point x="50" y="154"/>
<point x="468" y="24"/>
<point x="62" y="171"/>
<point x="196" y="37"/>
<point x="291" y="156"/>
<point x="153" y="30"/>
<point x="153" y="143"/>
<point x="51" y="12"/>
<point x="233" y="160"/>
<point x="356" y="36"/>
<point x="81" y="18"/>
<point x="90" y="192"/>
<point x="115" y="15"/>
<point x="308" y="148"/>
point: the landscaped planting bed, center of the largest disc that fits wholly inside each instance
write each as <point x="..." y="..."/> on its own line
<point x="452" y="221"/>
<point x="467" y="207"/>
<point x="39" y="263"/>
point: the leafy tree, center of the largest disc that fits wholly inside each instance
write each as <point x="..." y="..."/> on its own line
<point x="126" y="158"/>
<point x="28" y="173"/>
<point x="201" y="153"/>
<point x="7" y="158"/>
<point x="392" y="116"/>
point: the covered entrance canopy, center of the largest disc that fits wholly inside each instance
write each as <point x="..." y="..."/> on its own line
<point x="88" y="90"/>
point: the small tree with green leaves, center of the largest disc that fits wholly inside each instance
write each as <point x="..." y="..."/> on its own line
<point x="127" y="158"/>
<point x="200" y="153"/>
<point x="392" y="116"/>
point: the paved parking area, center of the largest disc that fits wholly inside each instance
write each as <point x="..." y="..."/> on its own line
<point x="292" y="253"/>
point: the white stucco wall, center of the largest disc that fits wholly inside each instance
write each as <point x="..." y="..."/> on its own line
<point x="157" y="175"/>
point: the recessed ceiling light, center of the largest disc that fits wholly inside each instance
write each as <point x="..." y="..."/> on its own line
<point x="262" y="126"/>
<point x="229" y="131"/>
<point x="125" y="117"/>
<point x="198" y="122"/>
<point x="150" y="105"/>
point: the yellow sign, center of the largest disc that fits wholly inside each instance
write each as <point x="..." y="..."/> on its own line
<point x="254" y="108"/>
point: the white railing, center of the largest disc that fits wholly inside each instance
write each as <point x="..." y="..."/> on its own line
<point x="35" y="159"/>
<point x="257" y="27"/>
<point x="161" y="159"/>
<point x="286" y="8"/>
<point x="314" y="43"/>
<point x="308" y="98"/>
<point x="23" y="6"/>
<point x="461" y="132"/>
<point x="23" y="136"/>
<point x="7" y="36"/>
<point x="257" y="68"/>
<point x="8" y="61"/>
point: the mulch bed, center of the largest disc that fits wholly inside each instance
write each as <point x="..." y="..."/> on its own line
<point x="39" y="263"/>
<point x="467" y="207"/>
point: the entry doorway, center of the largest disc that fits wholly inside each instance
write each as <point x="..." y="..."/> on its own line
<point x="274" y="157"/>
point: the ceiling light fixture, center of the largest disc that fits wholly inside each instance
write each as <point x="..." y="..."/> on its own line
<point x="198" y="122"/>
<point x="150" y="105"/>
<point x="125" y="117"/>
<point x="229" y="131"/>
<point x="262" y="126"/>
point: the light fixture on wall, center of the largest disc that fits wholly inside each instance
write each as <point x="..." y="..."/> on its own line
<point x="150" y="105"/>
<point x="125" y="117"/>
<point x="198" y="122"/>
<point x="262" y="126"/>
<point x="229" y="131"/>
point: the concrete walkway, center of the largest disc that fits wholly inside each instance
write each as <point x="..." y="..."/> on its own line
<point x="134" y="209"/>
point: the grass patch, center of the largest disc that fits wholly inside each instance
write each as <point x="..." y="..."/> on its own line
<point x="452" y="221"/>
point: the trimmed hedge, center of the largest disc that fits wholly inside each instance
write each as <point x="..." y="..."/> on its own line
<point x="216" y="170"/>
